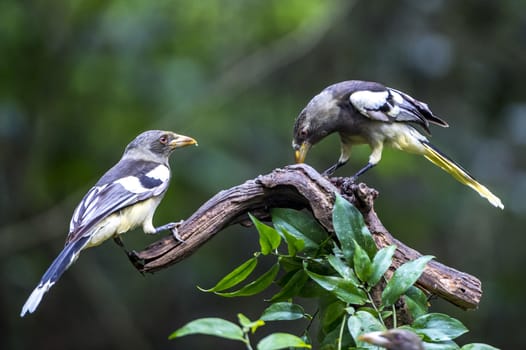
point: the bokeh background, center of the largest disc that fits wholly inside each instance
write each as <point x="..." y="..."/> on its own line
<point x="80" y="79"/>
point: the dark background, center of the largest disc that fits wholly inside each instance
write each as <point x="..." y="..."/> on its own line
<point x="80" y="79"/>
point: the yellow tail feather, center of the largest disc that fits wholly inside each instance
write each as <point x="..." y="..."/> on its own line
<point x="448" y="165"/>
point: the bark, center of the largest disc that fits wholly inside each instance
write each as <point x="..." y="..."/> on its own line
<point x="302" y="187"/>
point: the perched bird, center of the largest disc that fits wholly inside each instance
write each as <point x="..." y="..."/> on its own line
<point x="394" y="339"/>
<point x="124" y="198"/>
<point x="369" y="113"/>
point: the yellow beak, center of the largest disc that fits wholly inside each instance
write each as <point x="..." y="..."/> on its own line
<point x="301" y="153"/>
<point x="182" y="141"/>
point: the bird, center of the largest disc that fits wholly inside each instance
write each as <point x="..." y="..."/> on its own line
<point x="124" y="198"/>
<point x="394" y="339"/>
<point x="364" y="112"/>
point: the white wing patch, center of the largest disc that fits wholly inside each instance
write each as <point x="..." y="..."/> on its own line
<point x="132" y="184"/>
<point x="366" y="100"/>
<point x="397" y="98"/>
<point x="160" y="172"/>
<point x="378" y="105"/>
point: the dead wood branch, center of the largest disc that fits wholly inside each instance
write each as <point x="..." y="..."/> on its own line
<point x="299" y="187"/>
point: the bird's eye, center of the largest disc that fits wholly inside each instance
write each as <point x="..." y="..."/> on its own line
<point x="303" y="133"/>
<point x="163" y="139"/>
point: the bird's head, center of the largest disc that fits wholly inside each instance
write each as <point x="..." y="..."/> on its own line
<point x="158" y="143"/>
<point x="394" y="339"/>
<point x="321" y="117"/>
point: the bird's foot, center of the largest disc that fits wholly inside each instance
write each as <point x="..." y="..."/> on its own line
<point x="173" y="227"/>
<point x="348" y="184"/>
<point x="329" y="172"/>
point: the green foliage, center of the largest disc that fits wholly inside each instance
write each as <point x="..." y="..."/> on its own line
<point x="210" y="326"/>
<point x="235" y="277"/>
<point x="403" y="278"/>
<point x="283" y="311"/>
<point x="349" y="227"/>
<point x="281" y="341"/>
<point x="340" y="274"/>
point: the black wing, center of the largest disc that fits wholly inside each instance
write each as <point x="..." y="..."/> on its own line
<point x="144" y="180"/>
<point x="390" y="105"/>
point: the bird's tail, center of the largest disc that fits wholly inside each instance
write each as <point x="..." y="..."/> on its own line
<point x="61" y="263"/>
<point x="447" y="164"/>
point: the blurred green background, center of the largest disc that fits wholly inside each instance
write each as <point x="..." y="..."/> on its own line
<point x="80" y="79"/>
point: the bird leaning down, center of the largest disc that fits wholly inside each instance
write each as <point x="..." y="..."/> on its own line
<point x="369" y="113"/>
<point x="394" y="339"/>
<point x="124" y="198"/>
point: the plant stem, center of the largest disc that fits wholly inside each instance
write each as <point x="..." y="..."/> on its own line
<point x="249" y="347"/>
<point x="394" y="317"/>
<point x="340" y="336"/>
<point x="375" y="308"/>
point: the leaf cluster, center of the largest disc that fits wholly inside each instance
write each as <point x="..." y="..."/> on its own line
<point x="340" y="272"/>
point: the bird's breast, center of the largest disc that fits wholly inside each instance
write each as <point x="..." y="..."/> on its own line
<point x="135" y="215"/>
<point x="400" y="136"/>
<point x="122" y="221"/>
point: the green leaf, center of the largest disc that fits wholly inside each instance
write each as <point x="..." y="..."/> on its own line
<point x="332" y="313"/>
<point x="283" y="311"/>
<point x="403" y="278"/>
<point x="363" y="322"/>
<point x="256" y="286"/>
<point x="370" y="310"/>
<point x="444" y="345"/>
<point x="349" y="225"/>
<point x="210" y="326"/>
<point x="294" y="244"/>
<point x="343" y="269"/>
<point x="300" y="225"/>
<point x="478" y="346"/>
<point x="292" y="287"/>
<point x="288" y="263"/>
<point x="362" y="263"/>
<point x="334" y="339"/>
<point x="438" y="327"/>
<point x="238" y="275"/>
<point x="381" y="262"/>
<point x="277" y="341"/>
<point x="243" y="320"/>
<point x="416" y="302"/>
<point x="269" y="238"/>
<point x="249" y="325"/>
<point x="343" y="289"/>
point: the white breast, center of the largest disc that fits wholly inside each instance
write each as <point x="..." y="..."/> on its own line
<point x="403" y="137"/>
<point x="125" y="220"/>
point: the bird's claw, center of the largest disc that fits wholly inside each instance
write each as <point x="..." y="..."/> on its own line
<point x="329" y="172"/>
<point x="175" y="233"/>
<point x="172" y="227"/>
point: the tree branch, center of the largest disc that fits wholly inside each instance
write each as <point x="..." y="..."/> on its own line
<point x="299" y="187"/>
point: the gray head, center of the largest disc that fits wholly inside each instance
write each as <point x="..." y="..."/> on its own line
<point x="394" y="339"/>
<point x="317" y="120"/>
<point x="156" y="145"/>
<point x="324" y="114"/>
